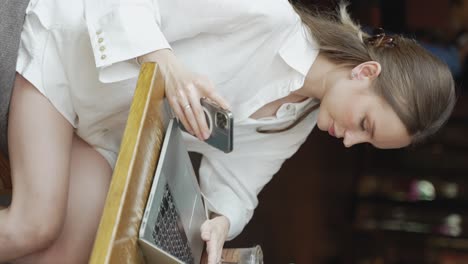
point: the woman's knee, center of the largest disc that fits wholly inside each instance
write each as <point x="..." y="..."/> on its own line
<point x="29" y="235"/>
<point x="36" y="216"/>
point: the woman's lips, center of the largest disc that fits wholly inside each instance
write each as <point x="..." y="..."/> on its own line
<point x="331" y="129"/>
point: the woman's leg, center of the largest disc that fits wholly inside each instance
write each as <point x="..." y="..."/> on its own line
<point x="40" y="141"/>
<point x="89" y="181"/>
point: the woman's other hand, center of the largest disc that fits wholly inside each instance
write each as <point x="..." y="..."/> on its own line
<point x="214" y="233"/>
<point x="184" y="90"/>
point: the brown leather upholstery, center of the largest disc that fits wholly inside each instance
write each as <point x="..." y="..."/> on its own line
<point x="116" y="241"/>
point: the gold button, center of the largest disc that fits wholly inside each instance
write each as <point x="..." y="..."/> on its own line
<point x="100" y="40"/>
<point x="98" y="32"/>
<point x="102" y="48"/>
<point x="103" y="57"/>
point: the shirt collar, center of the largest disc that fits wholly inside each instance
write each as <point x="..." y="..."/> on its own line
<point x="299" y="50"/>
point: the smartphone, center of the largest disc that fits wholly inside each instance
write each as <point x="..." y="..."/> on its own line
<point x="220" y="122"/>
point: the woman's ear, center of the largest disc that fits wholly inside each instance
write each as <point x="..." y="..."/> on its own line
<point x="366" y="70"/>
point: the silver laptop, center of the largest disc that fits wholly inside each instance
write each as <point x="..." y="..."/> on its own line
<point x="174" y="213"/>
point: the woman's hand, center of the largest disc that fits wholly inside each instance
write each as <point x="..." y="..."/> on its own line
<point x="214" y="233"/>
<point x="184" y="90"/>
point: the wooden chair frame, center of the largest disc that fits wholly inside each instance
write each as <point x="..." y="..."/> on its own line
<point x="116" y="240"/>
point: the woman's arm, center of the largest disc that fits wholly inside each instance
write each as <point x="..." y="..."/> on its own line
<point x="121" y="30"/>
<point x="184" y="90"/>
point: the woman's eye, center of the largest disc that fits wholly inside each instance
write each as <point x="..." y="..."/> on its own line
<point x="363" y="124"/>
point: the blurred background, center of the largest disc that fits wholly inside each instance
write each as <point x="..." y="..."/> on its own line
<point x="329" y="204"/>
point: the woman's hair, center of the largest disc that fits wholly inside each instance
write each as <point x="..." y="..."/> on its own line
<point x="417" y="85"/>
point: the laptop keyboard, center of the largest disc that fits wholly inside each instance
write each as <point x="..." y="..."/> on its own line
<point x="168" y="232"/>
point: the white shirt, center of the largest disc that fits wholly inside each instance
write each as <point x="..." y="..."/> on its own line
<point x="254" y="52"/>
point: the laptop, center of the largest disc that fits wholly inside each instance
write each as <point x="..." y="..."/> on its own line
<point x="174" y="213"/>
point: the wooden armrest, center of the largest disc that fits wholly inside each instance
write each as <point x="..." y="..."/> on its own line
<point x="116" y="240"/>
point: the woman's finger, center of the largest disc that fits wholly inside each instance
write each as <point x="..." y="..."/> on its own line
<point x="218" y="99"/>
<point x="219" y="250"/>
<point x="208" y="234"/>
<point x="199" y="114"/>
<point x="192" y="121"/>
<point x="211" y="247"/>
<point x="189" y="108"/>
<point x="205" y="230"/>
<point x="208" y="90"/>
<point x="180" y="113"/>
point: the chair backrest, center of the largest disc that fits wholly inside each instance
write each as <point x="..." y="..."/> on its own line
<point x="11" y="23"/>
<point x="116" y="240"/>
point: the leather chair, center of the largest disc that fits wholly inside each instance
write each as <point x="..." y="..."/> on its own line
<point x="116" y="239"/>
<point x="11" y="23"/>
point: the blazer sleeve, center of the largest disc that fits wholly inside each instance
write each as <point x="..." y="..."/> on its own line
<point x="231" y="182"/>
<point x="121" y="30"/>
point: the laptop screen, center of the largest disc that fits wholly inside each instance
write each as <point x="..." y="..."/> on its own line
<point x="174" y="213"/>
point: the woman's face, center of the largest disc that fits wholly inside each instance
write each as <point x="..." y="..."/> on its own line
<point x="350" y="110"/>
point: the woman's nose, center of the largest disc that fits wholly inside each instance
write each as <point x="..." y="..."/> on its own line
<point x="351" y="138"/>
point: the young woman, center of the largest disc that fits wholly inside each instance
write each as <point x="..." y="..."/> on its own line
<point x="271" y="64"/>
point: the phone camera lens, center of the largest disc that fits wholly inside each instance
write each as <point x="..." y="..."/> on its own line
<point x="221" y="120"/>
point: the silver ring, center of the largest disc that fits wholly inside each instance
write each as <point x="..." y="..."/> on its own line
<point x="187" y="106"/>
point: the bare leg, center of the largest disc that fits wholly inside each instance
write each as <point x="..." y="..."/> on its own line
<point x="89" y="182"/>
<point x="40" y="141"/>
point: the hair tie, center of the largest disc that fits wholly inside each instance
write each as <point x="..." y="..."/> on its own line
<point x="380" y="39"/>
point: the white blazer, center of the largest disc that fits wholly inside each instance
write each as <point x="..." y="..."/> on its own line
<point x="254" y="52"/>
<point x="115" y="25"/>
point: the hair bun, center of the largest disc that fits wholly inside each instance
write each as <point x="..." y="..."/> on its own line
<point x="380" y="39"/>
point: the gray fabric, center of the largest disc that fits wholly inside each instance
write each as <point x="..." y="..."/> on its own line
<point x="12" y="14"/>
<point x="5" y="200"/>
